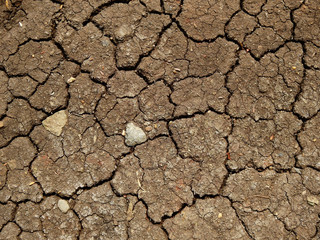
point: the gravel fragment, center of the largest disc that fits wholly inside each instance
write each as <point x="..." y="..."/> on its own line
<point x="134" y="135"/>
<point x="63" y="205"/>
<point x="56" y="122"/>
<point x="312" y="200"/>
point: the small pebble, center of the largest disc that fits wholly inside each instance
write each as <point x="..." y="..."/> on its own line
<point x="70" y="80"/>
<point x="63" y="205"/>
<point x="220" y="215"/>
<point x="312" y="200"/>
<point x="1" y="124"/>
<point x="56" y="122"/>
<point x="297" y="170"/>
<point x="134" y="135"/>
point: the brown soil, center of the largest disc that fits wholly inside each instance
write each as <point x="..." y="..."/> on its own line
<point x="222" y="97"/>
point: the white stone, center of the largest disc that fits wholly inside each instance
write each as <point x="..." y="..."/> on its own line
<point x="134" y="135"/>
<point x="71" y="80"/>
<point x="56" y="122"/>
<point x="63" y="205"/>
<point x="312" y="200"/>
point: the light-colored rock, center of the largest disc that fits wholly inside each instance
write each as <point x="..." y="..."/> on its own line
<point x="134" y="135"/>
<point x="56" y="122"/>
<point x="312" y="200"/>
<point x="71" y="80"/>
<point x="63" y="205"/>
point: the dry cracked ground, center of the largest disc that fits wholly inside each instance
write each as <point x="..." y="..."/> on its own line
<point x="160" y="119"/>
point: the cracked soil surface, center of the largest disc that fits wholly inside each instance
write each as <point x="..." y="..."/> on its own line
<point x="224" y="96"/>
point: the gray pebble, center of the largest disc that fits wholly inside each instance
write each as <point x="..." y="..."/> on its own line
<point x="134" y="135"/>
<point x="63" y="205"/>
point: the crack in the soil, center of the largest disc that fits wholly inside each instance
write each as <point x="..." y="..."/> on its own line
<point x="239" y="218"/>
<point x="103" y="6"/>
<point x="57" y="18"/>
